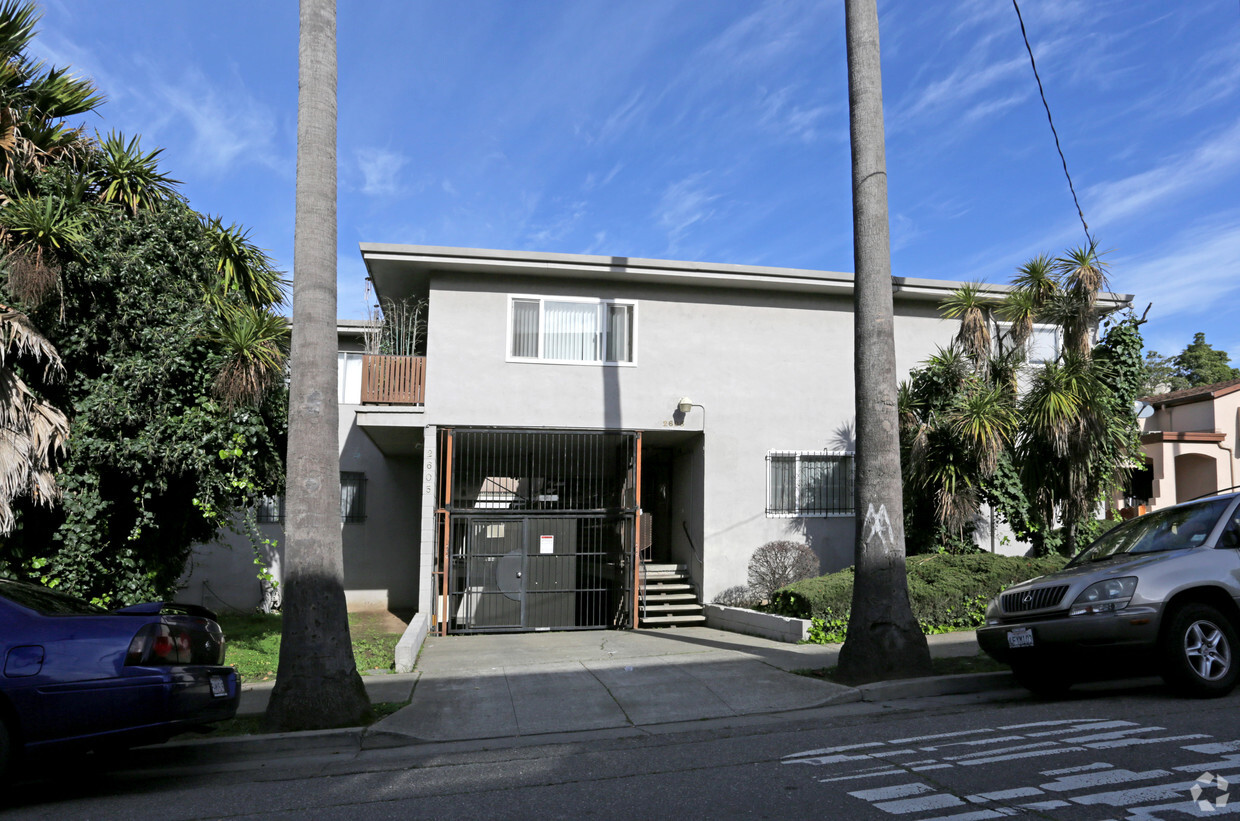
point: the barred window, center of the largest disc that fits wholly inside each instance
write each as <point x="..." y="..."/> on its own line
<point x="352" y="496"/>
<point x="269" y="510"/>
<point x="809" y="483"/>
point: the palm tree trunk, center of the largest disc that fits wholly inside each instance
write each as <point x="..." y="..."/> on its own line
<point x="883" y="637"/>
<point x="317" y="684"/>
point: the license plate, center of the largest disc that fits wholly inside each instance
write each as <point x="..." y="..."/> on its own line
<point x="217" y="687"/>
<point x="1020" y="637"/>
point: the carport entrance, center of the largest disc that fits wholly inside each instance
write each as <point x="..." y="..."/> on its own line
<point x="536" y="529"/>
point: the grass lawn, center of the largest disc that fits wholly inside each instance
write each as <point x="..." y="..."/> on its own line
<point x="949" y="666"/>
<point x="253" y="643"/>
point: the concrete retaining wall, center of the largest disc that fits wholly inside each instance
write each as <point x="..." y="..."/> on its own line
<point x="753" y="623"/>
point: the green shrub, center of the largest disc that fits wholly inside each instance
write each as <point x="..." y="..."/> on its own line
<point x="947" y="592"/>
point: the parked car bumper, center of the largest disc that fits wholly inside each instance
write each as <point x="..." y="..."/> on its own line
<point x="1077" y="637"/>
<point x="173" y="700"/>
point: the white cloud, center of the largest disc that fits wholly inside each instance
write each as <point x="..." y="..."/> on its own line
<point x="684" y="203"/>
<point x="227" y="126"/>
<point x="783" y="114"/>
<point x="1200" y="167"/>
<point x="380" y="170"/>
<point x="559" y="227"/>
<point x="1194" y="275"/>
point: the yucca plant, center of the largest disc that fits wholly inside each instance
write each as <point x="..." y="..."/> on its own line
<point x="1020" y="310"/>
<point x="971" y="306"/>
<point x="126" y="175"/>
<point x="256" y="343"/>
<point x="242" y="268"/>
<point x="39" y="231"/>
<point x="1037" y="276"/>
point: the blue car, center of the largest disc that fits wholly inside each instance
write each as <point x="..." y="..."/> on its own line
<point x="76" y="675"/>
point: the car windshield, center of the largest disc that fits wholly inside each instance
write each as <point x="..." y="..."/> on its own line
<point x="1171" y="529"/>
<point x="45" y="601"/>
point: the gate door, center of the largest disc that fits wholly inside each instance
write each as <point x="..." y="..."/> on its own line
<point x="537" y="572"/>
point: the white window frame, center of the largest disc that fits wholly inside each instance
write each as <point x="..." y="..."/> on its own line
<point x="349" y="393"/>
<point x="799" y="511"/>
<point x="1006" y="328"/>
<point x="542" y="300"/>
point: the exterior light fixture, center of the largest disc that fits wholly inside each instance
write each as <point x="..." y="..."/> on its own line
<point x="684" y="405"/>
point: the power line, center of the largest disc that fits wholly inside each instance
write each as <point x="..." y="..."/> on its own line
<point x="1045" y="105"/>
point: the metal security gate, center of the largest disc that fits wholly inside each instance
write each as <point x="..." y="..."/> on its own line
<point x="537" y="529"/>
<point x="536" y="573"/>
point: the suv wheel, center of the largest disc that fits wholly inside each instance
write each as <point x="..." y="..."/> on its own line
<point x="1198" y="652"/>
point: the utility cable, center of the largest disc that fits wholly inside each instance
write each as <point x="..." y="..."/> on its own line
<point x="1045" y="105"/>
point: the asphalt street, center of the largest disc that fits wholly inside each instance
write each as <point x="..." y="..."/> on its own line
<point x="1112" y="751"/>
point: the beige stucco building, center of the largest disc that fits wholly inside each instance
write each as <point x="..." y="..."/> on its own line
<point x="1190" y="442"/>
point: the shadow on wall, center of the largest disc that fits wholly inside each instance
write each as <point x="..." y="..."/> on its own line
<point x="830" y="538"/>
<point x="844" y="438"/>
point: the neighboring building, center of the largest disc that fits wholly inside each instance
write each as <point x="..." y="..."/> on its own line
<point x="1190" y="444"/>
<point x="573" y="412"/>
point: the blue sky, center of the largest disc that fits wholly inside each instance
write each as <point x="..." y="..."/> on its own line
<point x="713" y="131"/>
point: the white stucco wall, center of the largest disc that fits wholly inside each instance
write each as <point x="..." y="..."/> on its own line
<point x="381" y="554"/>
<point x="773" y="371"/>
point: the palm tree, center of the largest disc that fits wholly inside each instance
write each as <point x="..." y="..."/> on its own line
<point x="317" y="685"/>
<point x="884" y="640"/>
<point x="32" y="432"/>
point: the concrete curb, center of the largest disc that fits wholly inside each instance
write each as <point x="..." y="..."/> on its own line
<point x="930" y="686"/>
<point x="188" y="749"/>
<point x="411" y="642"/>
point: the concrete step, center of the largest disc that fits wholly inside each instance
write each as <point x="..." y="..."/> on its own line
<point x="668" y="587"/>
<point x="671" y="608"/>
<point x="670" y="621"/>
<point x="652" y="596"/>
<point x="662" y="568"/>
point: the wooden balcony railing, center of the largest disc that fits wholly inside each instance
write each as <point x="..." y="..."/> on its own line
<point x="393" y="380"/>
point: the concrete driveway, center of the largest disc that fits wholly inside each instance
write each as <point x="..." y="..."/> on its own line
<point x="502" y="685"/>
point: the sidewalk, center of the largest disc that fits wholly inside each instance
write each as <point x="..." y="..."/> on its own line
<point x="511" y="685"/>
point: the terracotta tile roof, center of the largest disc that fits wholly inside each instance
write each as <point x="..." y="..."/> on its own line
<point x="1199" y="393"/>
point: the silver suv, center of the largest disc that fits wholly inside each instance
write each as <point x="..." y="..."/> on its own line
<point x="1160" y="590"/>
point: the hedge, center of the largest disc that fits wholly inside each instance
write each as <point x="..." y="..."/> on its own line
<point x="946" y="591"/>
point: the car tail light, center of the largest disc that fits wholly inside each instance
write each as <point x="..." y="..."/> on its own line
<point x="165" y="643"/>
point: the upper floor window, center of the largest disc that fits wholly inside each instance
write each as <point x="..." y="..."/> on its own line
<point x="809" y="483"/>
<point x="572" y="330"/>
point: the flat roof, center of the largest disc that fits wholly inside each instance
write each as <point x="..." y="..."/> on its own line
<point x="399" y="271"/>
